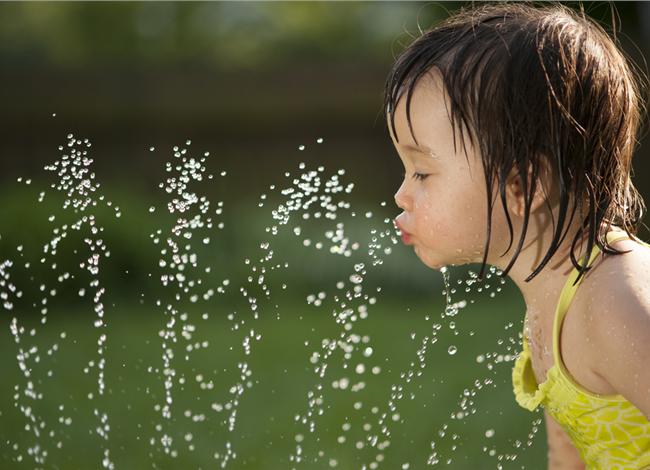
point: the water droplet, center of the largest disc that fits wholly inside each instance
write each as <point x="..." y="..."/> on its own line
<point x="451" y="310"/>
<point x="356" y="279"/>
<point x="452" y="350"/>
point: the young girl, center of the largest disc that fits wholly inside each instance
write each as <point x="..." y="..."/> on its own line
<point x="538" y="108"/>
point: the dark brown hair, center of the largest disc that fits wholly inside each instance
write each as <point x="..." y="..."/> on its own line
<point x="532" y="85"/>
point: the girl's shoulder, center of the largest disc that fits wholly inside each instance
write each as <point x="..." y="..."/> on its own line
<point x="617" y="285"/>
<point x="626" y="271"/>
<point x="615" y="316"/>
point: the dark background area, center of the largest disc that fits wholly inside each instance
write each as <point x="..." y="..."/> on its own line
<point x="241" y="79"/>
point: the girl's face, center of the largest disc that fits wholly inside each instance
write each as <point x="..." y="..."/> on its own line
<point x="442" y="198"/>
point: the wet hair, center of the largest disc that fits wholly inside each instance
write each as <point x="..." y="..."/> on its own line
<point x="534" y="85"/>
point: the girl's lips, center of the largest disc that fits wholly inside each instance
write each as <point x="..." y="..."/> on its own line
<point x="406" y="237"/>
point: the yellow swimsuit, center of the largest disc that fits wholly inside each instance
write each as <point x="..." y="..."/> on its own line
<point x="609" y="432"/>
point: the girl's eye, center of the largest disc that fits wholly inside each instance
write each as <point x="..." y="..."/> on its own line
<point x="417" y="176"/>
<point x="420" y="176"/>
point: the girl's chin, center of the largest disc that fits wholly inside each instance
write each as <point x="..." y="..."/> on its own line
<point x="436" y="263"/>
<point x="428" y="260"/>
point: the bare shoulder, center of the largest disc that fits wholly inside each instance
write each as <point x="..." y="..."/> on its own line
<point x="618" y="286"/>
<point x="615" y="306"/>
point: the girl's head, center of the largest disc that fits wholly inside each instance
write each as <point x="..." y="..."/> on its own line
<point x="545" y="109"/>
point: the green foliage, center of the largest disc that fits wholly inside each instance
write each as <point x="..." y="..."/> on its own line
<point x="132" y="271"/>
<point x="239" y="34"/>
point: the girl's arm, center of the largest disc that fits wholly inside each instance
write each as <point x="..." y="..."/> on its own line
<point x="562" y="455"/>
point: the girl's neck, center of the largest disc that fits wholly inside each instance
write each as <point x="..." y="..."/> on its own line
<point x="542" y="292"/>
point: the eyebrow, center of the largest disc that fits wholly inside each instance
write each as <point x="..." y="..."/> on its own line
<point x="421" y="149"/>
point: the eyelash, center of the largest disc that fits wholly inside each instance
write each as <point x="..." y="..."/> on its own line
<point x="418" y="176"/>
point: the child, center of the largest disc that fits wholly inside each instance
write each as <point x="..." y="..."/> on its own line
<point x="546" y="110"/>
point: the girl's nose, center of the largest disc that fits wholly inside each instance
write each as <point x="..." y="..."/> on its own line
<point x="401" y="200"/>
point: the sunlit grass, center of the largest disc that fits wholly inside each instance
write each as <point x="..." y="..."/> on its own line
<point x="265" y="430"/>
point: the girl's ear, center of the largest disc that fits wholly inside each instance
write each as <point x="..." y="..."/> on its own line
<point x="515" y="189"/>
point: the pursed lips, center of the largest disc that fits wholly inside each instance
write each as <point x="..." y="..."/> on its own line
<point x="406" y="237"/>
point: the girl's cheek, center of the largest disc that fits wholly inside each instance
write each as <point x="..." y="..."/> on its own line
<point x="425" y="202"/>
<point x="428" y="210"/>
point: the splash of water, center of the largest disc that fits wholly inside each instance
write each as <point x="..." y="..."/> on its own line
<point x="77" y="184"/>
<point x="312" y="196"/>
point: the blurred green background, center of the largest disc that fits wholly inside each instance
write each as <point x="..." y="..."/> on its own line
<point x="248" y="82"/>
